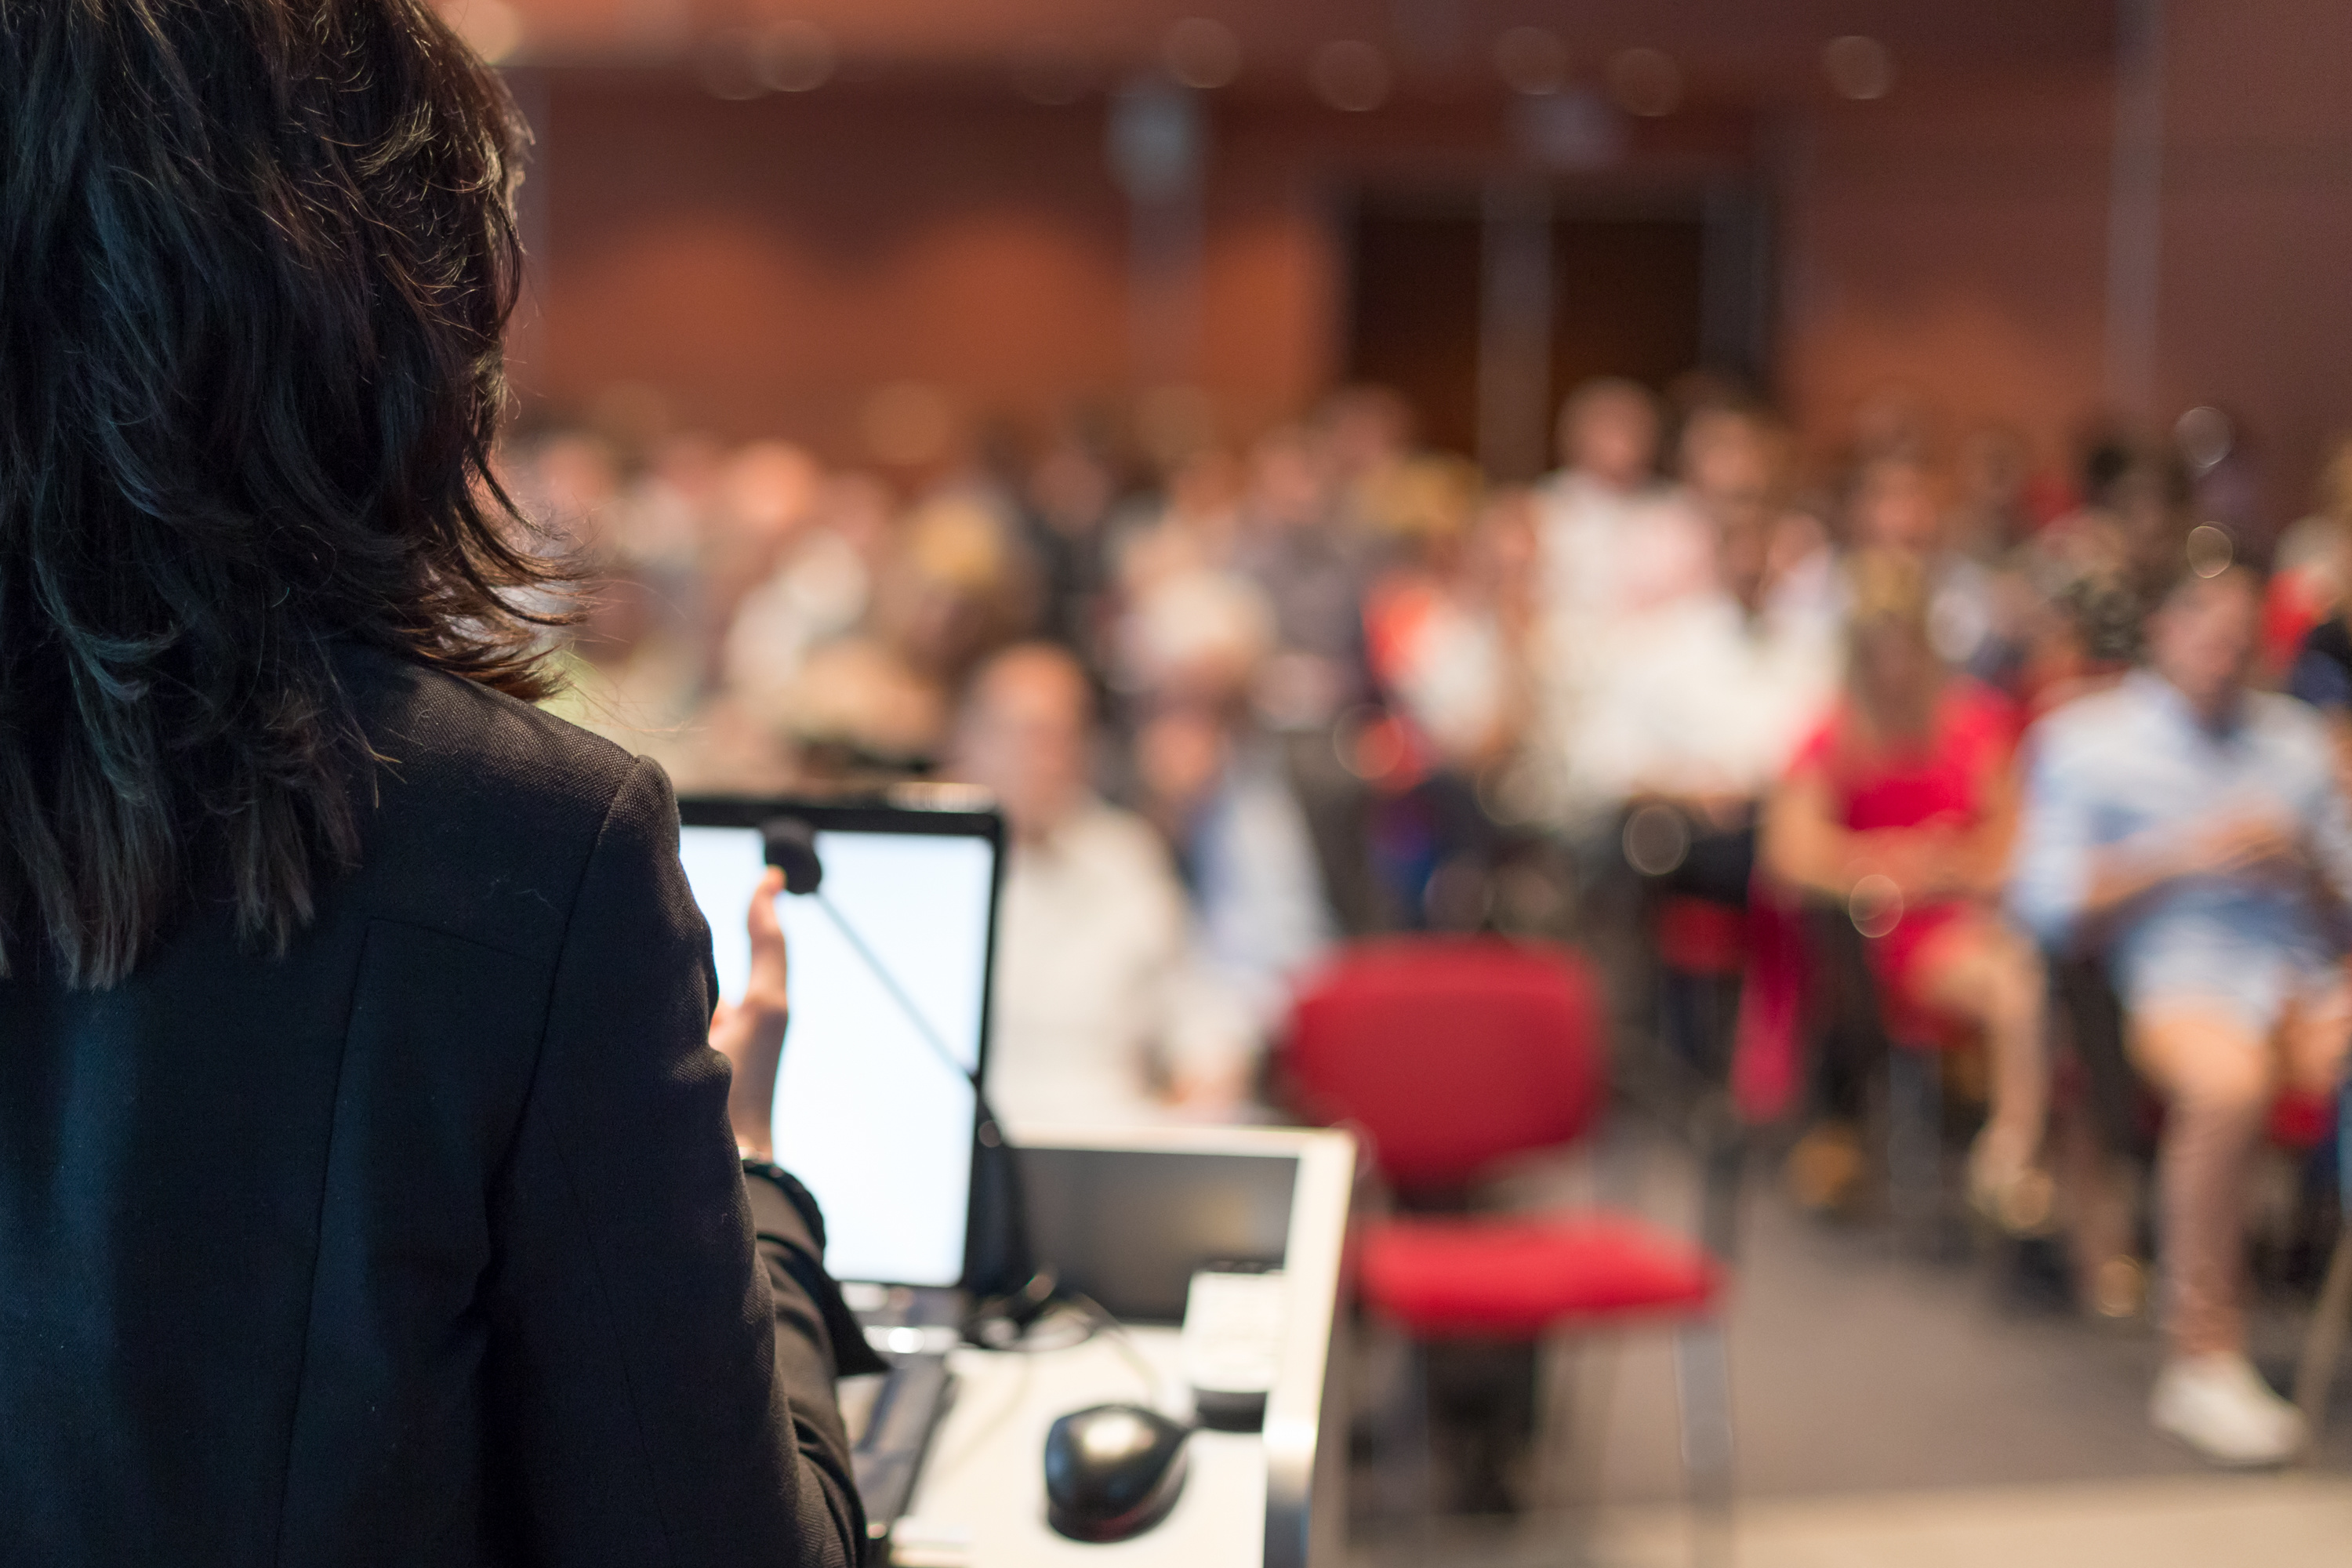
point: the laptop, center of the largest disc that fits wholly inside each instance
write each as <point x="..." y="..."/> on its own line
<point x="874" y="1107"/>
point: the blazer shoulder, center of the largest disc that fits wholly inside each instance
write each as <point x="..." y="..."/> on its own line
<point x="482" y="810"/>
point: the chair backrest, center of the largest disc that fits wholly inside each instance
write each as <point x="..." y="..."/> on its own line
<point x="1450" y="1053"/>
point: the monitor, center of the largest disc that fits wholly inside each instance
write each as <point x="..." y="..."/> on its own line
<point x="879" y="1119"/>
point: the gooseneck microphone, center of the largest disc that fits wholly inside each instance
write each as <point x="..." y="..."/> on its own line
<point x="791" y="846"/>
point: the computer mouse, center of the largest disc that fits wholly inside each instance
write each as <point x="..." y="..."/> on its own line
<point x="1112" y="1471"/>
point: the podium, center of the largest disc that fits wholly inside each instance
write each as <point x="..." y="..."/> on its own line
<point x="1125" y="1217"/>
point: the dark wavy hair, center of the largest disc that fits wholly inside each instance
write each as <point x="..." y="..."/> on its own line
<point x="256" y="261"/>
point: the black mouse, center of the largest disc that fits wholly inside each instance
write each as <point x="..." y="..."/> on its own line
<point x="1112" y="1471"/>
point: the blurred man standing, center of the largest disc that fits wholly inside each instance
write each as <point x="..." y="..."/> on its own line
<point x="2190" y="830"/>
<point x="1102" y="1015"/>
<point x="1617" y="545"/>
<point x="1615" y="539"/>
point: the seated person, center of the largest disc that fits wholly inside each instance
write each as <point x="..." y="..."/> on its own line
<point x="1719" y="691"/>
<point x="1102" y="1015"/>
<point x="2321" y="674"/>
<point x="1901" y="809"/>
<point x="1217" y="790"/>
<point x="2192" y="829"/>
<point x="1445" y="627"/>
<point x="1615" y="547"/>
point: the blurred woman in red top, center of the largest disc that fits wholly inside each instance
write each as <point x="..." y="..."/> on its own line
<point x="1902" y="808"/>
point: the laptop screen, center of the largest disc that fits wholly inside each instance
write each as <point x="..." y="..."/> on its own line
<point x="867" y="1112"/>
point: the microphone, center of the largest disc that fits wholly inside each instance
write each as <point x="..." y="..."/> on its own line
<point x="791" y="845"/>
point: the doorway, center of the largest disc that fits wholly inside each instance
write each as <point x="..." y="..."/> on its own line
<point x="1484" y="308"/>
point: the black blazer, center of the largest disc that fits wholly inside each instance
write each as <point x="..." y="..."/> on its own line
<point x="426" y="1243"/>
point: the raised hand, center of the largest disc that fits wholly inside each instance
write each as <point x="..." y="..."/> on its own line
<point x="750" y="1033"/>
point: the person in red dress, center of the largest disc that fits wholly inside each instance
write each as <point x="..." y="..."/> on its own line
<point x="1903" y="807"/>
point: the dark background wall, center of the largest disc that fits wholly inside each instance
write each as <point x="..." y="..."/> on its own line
<point x="766" y="266"/>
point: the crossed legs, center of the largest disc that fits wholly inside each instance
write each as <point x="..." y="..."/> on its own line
<point x="2218" y="1075"/>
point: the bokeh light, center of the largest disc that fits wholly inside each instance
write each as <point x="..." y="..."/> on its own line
<point x="1052" y="72"/>
<point x="2205" y="435"/>
<point x="795" y="56"/>
<point x="1532" y="60"/>
<point x="1646" y="82"/>
<point x="1202" y="52"/>
<point x="1352" y="75"/>
<point x="2210" y="550"/>
<point x="1656" y="840"/>
<point x="1858" y="67"/>
<point x="1875" y="905"/>
<point x="728" y="65"/>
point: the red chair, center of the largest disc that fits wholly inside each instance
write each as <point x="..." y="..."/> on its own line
<point x="1450" y="1055"/>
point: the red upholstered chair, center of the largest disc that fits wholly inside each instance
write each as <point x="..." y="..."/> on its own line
<point x="1450" y="1055"/>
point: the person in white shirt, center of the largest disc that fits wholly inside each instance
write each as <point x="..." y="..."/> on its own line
<point x="1711" y="692"/>
<point x="1617" y="545"/>
<point x="1717" y="693"/>
<point x="1617" y="541"/>
<point x="1102" y="1015"/>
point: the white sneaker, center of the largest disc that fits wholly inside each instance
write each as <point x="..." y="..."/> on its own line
<point x="2219" y="1406"/>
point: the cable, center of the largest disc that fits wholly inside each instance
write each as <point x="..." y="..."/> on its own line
<point x="1099" y="1323"/>
<point x="1108" y="1325"/>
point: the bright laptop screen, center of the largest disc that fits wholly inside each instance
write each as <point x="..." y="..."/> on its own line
<point x="867" y="1113"/>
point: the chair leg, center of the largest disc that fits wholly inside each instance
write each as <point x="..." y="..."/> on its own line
<point x="2323" y="1343"/>
<point x="1577" y="1377"/>
<point x="1557" y="1408"/>
<point x="1914" y="1145"/>
<point x="1406" y="1467"/>
<point x="1702" y="1386"/>
<point x="1723" y="1164"/>
<point x="1422" y="1439"/>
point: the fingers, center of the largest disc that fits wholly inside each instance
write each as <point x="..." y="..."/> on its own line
<point x="751" y="1033"/>
<point x="766" y="990"/>
<point x="761" y="921"/>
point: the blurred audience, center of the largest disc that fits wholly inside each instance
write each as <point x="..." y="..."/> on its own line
<point x="1255" y="697"/>
<point x="1448" y="628"/>
<point x="1295" y="544"/>
<point x="821" y="590"/>
<point x="1103" y="1013"/>
<point x="1216" y="786"/>
<point x="877" y="699"/>
<point x="1617" y="538"/>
